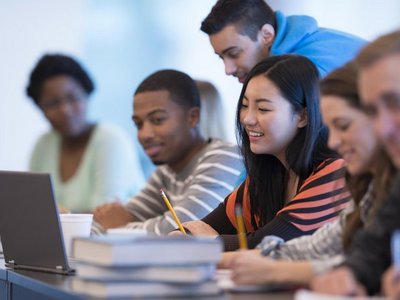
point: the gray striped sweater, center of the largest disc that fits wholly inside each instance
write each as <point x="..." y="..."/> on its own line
<point x="194" y="192"/>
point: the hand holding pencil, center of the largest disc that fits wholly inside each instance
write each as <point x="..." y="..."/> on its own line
<point x="171" y="209"/>
<point x="240" y="228"/>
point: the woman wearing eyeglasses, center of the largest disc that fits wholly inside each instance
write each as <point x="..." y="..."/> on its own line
<point x="90" y="163"/>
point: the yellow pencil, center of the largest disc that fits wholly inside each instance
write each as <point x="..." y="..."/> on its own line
<point x="172" y="212"/>
<point x="240" y="228"/>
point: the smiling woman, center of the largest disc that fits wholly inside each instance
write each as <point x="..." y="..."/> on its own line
<point x="295" y="184"/>
<point x="89" y="163"/>
<point x="369" y="176"/>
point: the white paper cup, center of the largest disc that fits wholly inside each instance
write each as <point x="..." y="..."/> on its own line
<point x="75" y="225"/>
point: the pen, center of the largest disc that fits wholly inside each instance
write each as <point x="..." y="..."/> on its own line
<point x="172" y="211"/>
<point x="240" y="228"/>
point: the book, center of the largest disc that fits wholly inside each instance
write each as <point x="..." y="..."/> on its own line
<point x="146" y="251"/>
<point x="142" y="289"/>
<point x="177" y="274"/>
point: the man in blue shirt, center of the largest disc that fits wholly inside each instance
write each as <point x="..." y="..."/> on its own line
<point x="243" y="32"/>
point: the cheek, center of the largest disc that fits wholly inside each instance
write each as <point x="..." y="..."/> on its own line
<point x="363" y="135"/>
<point x="269" y="124"/>
<point x="171" y="130"/>
<point x="247" y="59"/>
<point x="51" y="116"/>
<point x="367" y="143"/>
<point x="139" y="135"/>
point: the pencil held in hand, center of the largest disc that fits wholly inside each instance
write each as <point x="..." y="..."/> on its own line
<point x="172" y="211"/>
<point x="240" y="228"/>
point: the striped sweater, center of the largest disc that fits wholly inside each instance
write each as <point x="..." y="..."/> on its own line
<point x="318" y="201"/>
<point x="193" y="192"/>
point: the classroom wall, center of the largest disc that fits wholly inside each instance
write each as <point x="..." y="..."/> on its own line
<point x="122" y="41"/>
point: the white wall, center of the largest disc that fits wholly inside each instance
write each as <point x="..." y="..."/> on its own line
<point x="27" y="29"/>
<point x="122" y="41"/>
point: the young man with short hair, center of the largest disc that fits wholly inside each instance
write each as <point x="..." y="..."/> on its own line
<point x="195" y="174"/>
<point x="243" y="32"/>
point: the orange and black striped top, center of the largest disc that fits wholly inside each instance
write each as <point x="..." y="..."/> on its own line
<point x="319" y="200"/>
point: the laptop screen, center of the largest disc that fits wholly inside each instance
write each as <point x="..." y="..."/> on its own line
<point x="29" y="223"/>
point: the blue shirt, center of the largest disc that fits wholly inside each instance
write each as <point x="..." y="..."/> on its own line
<point x="328" y="49"/>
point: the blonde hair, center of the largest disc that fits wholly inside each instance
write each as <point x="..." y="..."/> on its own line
<point x="211" y="120"/>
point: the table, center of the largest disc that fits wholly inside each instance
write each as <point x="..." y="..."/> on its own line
<point x="39" y="285"/>
<point x="21" y="284"/>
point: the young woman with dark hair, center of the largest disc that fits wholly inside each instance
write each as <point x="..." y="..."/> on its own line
<point x="295" y="184"/>
<point x="369" y="176"/>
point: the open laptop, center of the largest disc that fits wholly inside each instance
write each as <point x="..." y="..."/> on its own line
<point x="30" y="228"/>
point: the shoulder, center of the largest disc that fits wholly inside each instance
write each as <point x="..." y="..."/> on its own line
<point x="110" y="136"/>
<point x="295" y="22"/>
<point x="219" y="148"/>
<point x="107" y="130"/>
<point x="328" y="166"/>
<point x="48" y="139"/>
<point x="328" y="172"/>
<point x="112" y="142"/>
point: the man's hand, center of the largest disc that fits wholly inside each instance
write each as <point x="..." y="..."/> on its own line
<point x="112" y="215"/>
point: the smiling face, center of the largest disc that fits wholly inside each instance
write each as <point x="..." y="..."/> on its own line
<point x="350" y="133"/>
<point x="165" y="129"/>
<point x="239" y="52"/>
<point x="268" y="118"/>
<point x="379" y="86"/>
<point x="64" y="104"/>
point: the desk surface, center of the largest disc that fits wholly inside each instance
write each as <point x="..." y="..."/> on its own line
<point x="59" y="286"/>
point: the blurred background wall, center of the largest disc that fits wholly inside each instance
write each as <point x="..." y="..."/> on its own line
<point x="122" y="41"/>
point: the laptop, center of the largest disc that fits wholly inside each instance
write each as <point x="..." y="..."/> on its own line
<point x="30" y="229"/>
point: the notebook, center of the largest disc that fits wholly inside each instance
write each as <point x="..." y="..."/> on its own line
<point x="30" y="228"/>
<point x="224" y="282"/>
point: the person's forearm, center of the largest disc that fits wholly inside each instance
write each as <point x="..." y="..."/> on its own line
<point x="298" y="272"/>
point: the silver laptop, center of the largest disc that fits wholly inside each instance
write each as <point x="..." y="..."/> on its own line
<point x="30" y="228"/>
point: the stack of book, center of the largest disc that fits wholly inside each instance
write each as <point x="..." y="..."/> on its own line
<point x="110" y="266"/>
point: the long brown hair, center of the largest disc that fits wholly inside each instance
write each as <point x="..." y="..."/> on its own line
<point x="388" y="44"/>
<point x="343" y="83"/>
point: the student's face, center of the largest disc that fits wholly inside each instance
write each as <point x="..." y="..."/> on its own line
<point x="238" y="52"/>
<point x="64" y="104"/>
<point x="268" y="118"/>
<point x="351" y="133"/>
<point x="379" y="86"/>
<point x="165" y="129"/>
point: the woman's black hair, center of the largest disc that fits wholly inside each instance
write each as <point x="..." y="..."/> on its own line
<point x="52" y="65"/>
<point x="296" y="77"/>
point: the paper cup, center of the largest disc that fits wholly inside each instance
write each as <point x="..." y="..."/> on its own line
<point x="75" y="225"/>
